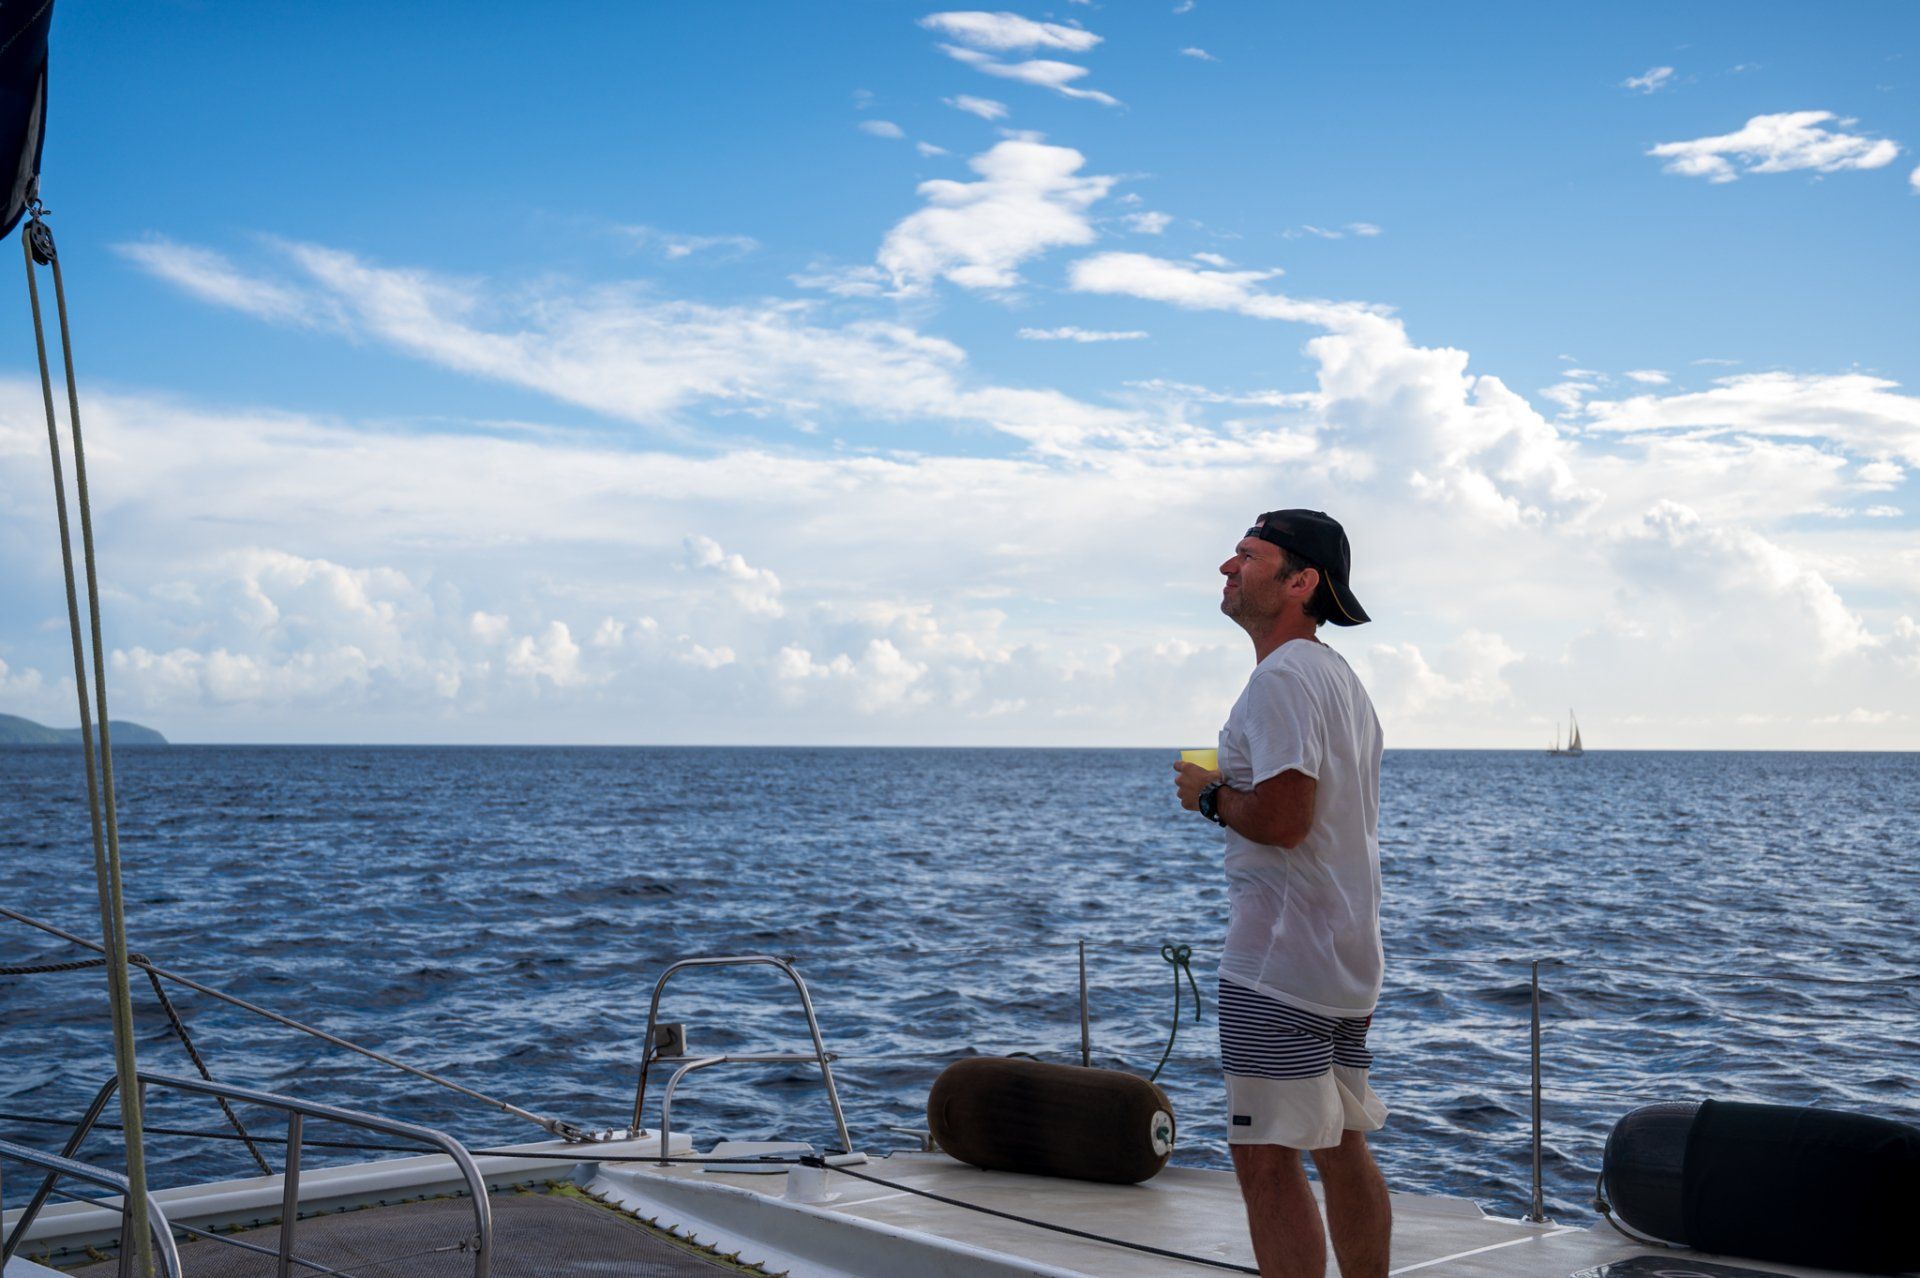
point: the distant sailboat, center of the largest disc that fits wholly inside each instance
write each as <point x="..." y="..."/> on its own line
<point x="1574" y="749"/>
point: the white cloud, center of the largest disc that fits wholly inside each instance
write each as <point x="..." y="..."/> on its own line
<point x="1163" y="280"/>
<point x="1031" y="197"/>
<point x="1913" y="179"/>
<point x="1471" y="679"/>
<point x="1069" y="333"/>
<point x="708" y="658"/>
<point x="1881" y="476"/>
<point x="882" y="128"/>
<point x="212" y="277"/>
<point x="929" y="149"/>
<point x="881" y="680"/>
<point x="1008" y="32"/>
<point x="985" y="108"/>
<point x="1731" y="570"/>
<point x="1194" y="51"/>
<point x="1044" y="73"/>
<point x="859" y="280"/>
<point x="673" y="246"/>
<point x="1648" y="376"/>
<point x="1362" y="230"/>
<point x="1864" y="414"/>
<point x="632" y="355"/>
<point x="757" y="590"/>
<point x="1652" y="81"/>
<point x="1863" y="715"/>
<point x="1148" y="223"/>
<point x="296" y="630"/>
<point x="489" y="627"/>
<point x="1212" y="259"/>
<point x="20" y="688"/>
<point x="551" y="655"/>
<point x="1778" y="144"/>
<point x="1569" y="394"/>
<point x="1465" y="441"/>
<point x="397" y="611"/>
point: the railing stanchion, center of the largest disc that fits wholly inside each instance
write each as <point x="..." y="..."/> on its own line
<point x="1086" y="1033"/>
<point x="289" y="1195"/>
<point x="1538" y="1210"/>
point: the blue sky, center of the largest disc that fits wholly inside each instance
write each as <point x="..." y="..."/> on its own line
<point x="614" y="374"/>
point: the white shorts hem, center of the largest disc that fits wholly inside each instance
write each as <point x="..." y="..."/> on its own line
<point x="1302" y="1113"/>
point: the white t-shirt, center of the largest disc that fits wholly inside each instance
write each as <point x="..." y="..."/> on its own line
<point x="1303" y="923"/>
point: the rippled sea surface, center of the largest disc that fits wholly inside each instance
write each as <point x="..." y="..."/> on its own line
<point x="1734" y="925"/>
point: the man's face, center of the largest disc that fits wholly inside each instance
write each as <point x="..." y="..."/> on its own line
<point x="1254" y="592"/>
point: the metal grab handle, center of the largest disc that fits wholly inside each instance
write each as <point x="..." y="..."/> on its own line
<point x="666" y="1097"/>
<point x="647" y="1061"/>
<point x="57" y="1166"/>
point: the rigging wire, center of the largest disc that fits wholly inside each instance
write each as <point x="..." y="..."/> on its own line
<point x="559" y="1127"/>
<point x="179" y="1032"/>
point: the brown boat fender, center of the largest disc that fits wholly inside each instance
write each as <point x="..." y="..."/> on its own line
<point x="1003" y="1113"/>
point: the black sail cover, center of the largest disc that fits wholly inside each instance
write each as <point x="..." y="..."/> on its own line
<point x="23" y="101"/>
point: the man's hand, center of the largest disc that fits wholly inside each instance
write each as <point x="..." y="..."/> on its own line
<point x="1190" y="779"/>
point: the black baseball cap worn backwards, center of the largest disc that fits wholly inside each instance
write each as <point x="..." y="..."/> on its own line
<point x="1318" y="538"/>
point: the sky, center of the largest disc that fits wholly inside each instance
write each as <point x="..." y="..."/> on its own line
<point x="877" y="373"/>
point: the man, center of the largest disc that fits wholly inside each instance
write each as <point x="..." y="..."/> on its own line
<point x="1299" y="794"/>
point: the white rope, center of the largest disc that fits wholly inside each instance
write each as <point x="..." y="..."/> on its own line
<point x="36" y="242"/>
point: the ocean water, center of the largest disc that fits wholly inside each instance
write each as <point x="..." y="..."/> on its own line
<point x="1712" y="924"/>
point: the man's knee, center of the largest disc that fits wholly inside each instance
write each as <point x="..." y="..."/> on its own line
<point x="1351" y="1154"/>
<point x="1266" y="1163"/>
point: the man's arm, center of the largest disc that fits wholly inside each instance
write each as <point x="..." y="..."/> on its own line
<point x="1278" y="811"/>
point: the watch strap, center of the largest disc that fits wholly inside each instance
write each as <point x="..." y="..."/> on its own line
<point x="1209" y="803"/>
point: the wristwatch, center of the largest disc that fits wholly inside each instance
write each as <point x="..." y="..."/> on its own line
<point x="1210" y="802"/>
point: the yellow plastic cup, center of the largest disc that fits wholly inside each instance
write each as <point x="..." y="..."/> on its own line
<point x="1208" y="759"/>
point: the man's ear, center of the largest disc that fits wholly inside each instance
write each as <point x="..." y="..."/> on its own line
<point x="1306" y="583"/>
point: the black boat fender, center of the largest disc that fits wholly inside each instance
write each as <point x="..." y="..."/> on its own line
<point x="1771" y="1182"/>
<point x="1003" y="1113"/>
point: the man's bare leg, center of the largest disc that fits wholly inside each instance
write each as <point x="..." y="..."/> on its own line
<point x="1288" y="1239"/>
<point x="1359" y="1214"/>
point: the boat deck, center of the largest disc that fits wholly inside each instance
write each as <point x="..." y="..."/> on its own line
<point x="685" y="1220"/>
<point x="1193" y="1211"/>
<point x="536" y="1235"/>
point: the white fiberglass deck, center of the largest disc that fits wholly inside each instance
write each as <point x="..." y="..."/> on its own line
<point x="866" y="1230"/>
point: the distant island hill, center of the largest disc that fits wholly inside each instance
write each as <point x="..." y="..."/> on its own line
<point x="15" y="731"/>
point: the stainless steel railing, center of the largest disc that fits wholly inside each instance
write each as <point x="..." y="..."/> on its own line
<point x="297" y="1112"/>
<point x="689" y="1063"/>
<point x="57" y="1168"/>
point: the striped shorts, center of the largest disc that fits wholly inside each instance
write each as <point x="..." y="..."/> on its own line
<point x="1294" y="1078"/>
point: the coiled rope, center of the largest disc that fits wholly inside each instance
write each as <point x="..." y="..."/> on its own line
<point x="1180" y="956"/>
